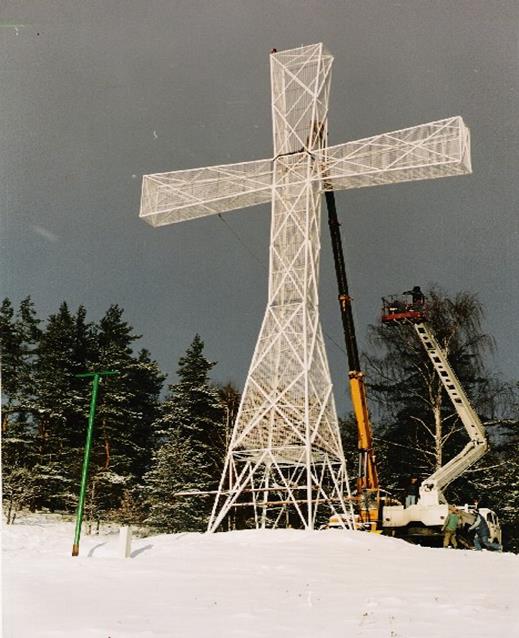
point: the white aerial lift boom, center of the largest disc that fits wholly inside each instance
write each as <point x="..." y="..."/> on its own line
<point x="431" y="488"/>
<point x="431" y="508"/>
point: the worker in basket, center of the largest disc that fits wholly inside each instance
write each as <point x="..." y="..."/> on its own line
<point x="417" y="296"/>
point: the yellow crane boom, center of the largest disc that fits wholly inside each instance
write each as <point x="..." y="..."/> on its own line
<point x="368" y="491"/>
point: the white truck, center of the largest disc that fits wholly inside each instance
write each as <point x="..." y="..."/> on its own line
<point x="428" y="515"/>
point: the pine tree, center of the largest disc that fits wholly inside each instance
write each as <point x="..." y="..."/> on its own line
<point x="190" y="437"/>
<point x="128" y="405"/>
<point x="177" y="467"/>
<point x="45" y="408"/>
<point x="28" y="328"/>
<point x="193" y="409"/>
<point x="61" y="403"/>
<point x="114" y="422"/>
<point x="11" y="357"/>
<point x="146" y="381"/>
<point x="19" y="335"/>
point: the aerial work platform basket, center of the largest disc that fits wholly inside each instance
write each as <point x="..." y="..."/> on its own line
<point x="409" y="307"/>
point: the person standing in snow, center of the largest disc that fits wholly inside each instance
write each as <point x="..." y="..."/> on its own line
<point x="449" y="528"/>
<point x="482" y="533"/>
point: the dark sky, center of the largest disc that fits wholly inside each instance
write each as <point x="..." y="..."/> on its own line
<point x="95" y="94"/>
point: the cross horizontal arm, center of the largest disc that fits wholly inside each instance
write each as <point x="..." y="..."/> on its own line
<point x="436" y="149"/>
<point x="173" y="197"/>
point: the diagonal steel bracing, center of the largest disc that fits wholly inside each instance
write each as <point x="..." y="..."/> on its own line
<point x="285" y="460"/>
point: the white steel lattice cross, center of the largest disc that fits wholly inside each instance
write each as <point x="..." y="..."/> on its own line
<point x="285" y="459"/>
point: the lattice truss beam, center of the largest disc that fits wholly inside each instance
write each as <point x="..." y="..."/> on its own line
<point x="286" y="446"/>
<point x="427" y="151"/>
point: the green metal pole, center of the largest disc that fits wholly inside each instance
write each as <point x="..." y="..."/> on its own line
<point x="96" y="376"/>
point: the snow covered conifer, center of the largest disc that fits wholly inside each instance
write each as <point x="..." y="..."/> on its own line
<point x="19" y="336"/>
<point x="190" y="437"/>
<point x="127" y="406"/>
<point x="60" y="404"/>
<point x="11" y="353"/>
<point x="177" y="467"/>
<point x="193" y="409"/>
<point x="45" y="407"/>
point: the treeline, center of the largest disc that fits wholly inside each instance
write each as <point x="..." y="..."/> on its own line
<point x="148" y="448"/>
<point x="145" y="449"/>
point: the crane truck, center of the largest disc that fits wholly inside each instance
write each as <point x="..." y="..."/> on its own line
<point x="427" y="515"/>
<point x="367" y="498"/>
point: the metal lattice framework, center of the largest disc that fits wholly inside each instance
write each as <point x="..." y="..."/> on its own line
<point x="285" y="452"/>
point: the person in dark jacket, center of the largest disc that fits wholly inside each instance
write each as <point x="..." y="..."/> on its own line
<point x="412" y="491"/>
<point x="481" y="538"/>
<point x="417" y="296"/>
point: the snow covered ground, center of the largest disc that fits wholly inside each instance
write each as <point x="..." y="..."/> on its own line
<point x="275" y="583"/>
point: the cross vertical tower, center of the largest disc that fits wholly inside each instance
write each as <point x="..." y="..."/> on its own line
<point x="287" y="420"/>
<point x="285" y="458"/>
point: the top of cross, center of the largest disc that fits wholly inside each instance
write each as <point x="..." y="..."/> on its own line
<point x="300" y="80"/>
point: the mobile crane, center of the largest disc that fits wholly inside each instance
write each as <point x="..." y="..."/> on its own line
<point x="367" y="499"/>
<point x="375" y="512"/>
<point x="431" y="509"/>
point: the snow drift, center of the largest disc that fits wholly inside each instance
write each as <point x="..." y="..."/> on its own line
<point x="251" y="584"/>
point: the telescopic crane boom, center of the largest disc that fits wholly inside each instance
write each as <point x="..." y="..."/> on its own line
<point x="368" y="491"/>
